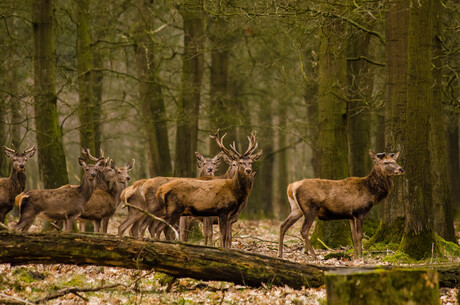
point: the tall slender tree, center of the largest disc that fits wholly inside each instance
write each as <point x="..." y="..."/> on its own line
<point x="392" y="224"/>
<point x="443" y="216"/>
<point x="84" y="69"/>
<point x="152" y="104"/>
<point x="332" y="120"/>
<point x="189" y="100"/>
<point x="51" y="158"/>
<point x="419" y="236"/>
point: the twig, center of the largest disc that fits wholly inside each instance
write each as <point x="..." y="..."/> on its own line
<point x="4" y="226"/>
<point x="154" y="217"/>
<point x="74" y="291"/>
<point x="20" y="301"/>
<point x="325" y="246"/>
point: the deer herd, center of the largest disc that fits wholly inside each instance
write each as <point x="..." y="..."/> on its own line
<point x="163" y="204"/>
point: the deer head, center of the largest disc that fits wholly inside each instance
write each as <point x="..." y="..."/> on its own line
<point x="91" y="170"/>
<point x="121" y="173"/>
<point x="386" y="163"/>
<point x="19" y="160"/>
<point x="245" y="160"/>
<point x="208" y="166"/>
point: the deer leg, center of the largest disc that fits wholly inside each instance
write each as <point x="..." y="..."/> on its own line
<point x="285" y="225"/>
<point x="359" y="236"/>
<point x="28" y="214"/>
<point x="81" y="225"/>
<point x="132" y="217"/>
<point x="184" y="224"/>
<point x="354" y="236"/>
<point x="68" y="223"/>
<point x="97" y="226"/>
<point x="207" y="230"/>
<point x="308" y="221"/>
<point x="223" y="222"/>
<point x="105" y="224"/>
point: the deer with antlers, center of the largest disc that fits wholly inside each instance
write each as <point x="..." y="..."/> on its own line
<point x="218" y="197"/>
<point x="351" y="198"/>
<point x="106" y="195"/>
<point x="13" y="185"/>
<point x="62" y="204"/>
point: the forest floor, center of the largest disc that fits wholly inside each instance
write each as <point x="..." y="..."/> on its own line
<point x="34" y="282"/>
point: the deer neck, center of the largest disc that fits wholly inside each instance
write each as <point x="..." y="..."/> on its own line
<point x="86" y="188"/>
<point x="378" y="184"/>
<point x="242" y="185"/>
<point x="18" y="179"/>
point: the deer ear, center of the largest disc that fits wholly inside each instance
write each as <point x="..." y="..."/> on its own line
<point x="100" y="162"/>
<point x="81" y="162"/>
<point x="374" y="157"/>
<point x="218" y="157"/>
<point x="200" y="159"/>
<point x="395" y="156"/>
<point x="10" y="153"/>
<point x="30" y="152"/>
<point x="227" y="159"/>
<point x="130" y="165"/>
<point x="256" y="156"/>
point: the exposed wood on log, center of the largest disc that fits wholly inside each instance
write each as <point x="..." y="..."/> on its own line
<point x="174" y="258"/>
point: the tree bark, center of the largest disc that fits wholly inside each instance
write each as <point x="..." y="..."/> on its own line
<point x="51" y="158"/>
<point x="443" y="215"/>
<point x="392" y="223"/>
<point x="332" y="120"/>
<point x="453" y="151"/>
<point x="85" y="86"/>
<point x="419" y="236"/>
<point x="400" y="286"/>
<point x="176" y="259"/>
<point x="189" y="101"/>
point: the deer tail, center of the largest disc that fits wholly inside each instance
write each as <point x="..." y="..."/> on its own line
<point x="19" y="199"/>
<point x="292" y="196"/>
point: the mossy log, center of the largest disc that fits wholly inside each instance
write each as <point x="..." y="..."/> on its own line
<point x="397" y="286"/>
<point x="174" y="258"/>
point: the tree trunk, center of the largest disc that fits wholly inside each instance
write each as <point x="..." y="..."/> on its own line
<point x="151" y="96"/>
<point x="176" y="259"/>
<point x="189" y="101"/>
<point x="262" y="194"/>
<point x="332" y="119"/>
<point x="392" y="223"/>
<point x="443" y="215"/>
<point x="281" y="209"/>
<point x="51" y="158"/>
<point x="452" y="139"/>
<point x="419" y="236"/>
<point x="222" y="108"/>
<point x="399" y="286"/>
<point x="97" y="77"/>
<point x="85" y="87"/>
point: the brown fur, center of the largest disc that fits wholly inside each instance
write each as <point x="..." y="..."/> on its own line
<point x="106" y="196"/>
<point x="64" y="203"/>
<point x="351" y="198"/>
<point x="13" y="185"/>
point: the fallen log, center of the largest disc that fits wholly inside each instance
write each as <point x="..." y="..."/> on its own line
<point x="176" y="259"/>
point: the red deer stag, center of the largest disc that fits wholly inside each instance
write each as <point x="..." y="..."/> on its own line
<point x="217" y="197"/>
<point x="351" y="198"/>
<point x="61" y="204"/>
<point x="106" y="195"/>
<point x="13" y="185"/>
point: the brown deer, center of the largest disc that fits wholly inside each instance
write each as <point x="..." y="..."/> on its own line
<point x="13" y="185"/>
<point x="351" y="198"/>
<point x="61" y="204"/>
<point x="217" y="197"/>
<point x="143" y="195"/>
<point x="106" y="195"/>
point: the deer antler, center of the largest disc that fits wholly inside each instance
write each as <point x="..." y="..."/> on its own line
<point x="9" y="149"/>
<point x="252" y="144"/>
<point x="87" y="153"/>
<point x="220" y="143"/>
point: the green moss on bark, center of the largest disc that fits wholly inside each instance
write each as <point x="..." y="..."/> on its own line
<point x="389" y="234"/>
